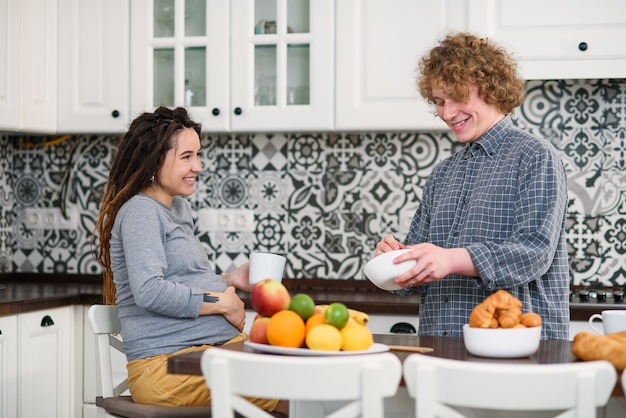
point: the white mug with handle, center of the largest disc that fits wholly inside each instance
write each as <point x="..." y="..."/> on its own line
<point x="612" y="321"/>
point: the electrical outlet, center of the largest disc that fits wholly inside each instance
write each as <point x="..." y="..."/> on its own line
<point x="225" y="220"/>
<point x="51" y="218"/>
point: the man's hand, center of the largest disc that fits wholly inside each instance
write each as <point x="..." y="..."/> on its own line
<point x="388" y="243"/>
<point x="434" y="263"/>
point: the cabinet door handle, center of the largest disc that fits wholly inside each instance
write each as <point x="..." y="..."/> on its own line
<point x="47" y="321"/>
<point x="215" y="111"/>
<point x="583" y="46"/>
<point x="238" y="111"/>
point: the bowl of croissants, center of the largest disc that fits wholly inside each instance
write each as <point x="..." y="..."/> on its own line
<point x="498" y="328"/>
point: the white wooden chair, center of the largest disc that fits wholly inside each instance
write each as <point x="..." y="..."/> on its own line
<point x="570" y="390"/>
<point x="363" y="379"/>
<point x="105" y="324"/>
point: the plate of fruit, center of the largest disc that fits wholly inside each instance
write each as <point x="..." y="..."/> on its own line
<point x="297" y="326"/>
<point x="271" y="349"/>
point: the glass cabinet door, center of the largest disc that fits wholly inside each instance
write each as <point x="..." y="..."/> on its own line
<point x="238" y="65"/>
<point x="180" y="57"/>
<point x="296" y="54"/>
<point x="282" y="64"/>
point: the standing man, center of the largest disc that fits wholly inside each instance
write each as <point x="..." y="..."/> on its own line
<point x="493" y="214"/>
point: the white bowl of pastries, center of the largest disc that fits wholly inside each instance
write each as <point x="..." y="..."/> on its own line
<point x="381" y="270"/>
<point x="501" y="342"/>
<point x="497" y="328"/>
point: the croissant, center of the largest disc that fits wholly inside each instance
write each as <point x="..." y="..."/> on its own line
<point x="502" y="299"/>
<point x="482" y="316"/>
<point x="508" y="318"/>
<point x="618" y="336"/>
<point x="610" y="347"/>
<point x="530" y="319"/>
<point x="502" y="309"/>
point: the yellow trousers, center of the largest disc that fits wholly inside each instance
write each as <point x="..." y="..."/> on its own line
<point x="150" y="383"/>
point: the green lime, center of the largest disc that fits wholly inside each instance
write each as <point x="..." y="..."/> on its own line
<point x="337" y="315"/>
<point x="303" y="305"/>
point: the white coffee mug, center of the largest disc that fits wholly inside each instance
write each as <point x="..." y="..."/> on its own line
<point x="266" y="266"/>
<point x="612" y="321"/>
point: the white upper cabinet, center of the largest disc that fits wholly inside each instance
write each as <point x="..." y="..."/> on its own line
<point x="239" y="65"/>
<point x="64" y="66"/>
<point x="10" y="64"/>
<point x="39" y="65"/>
<point x="379" y="43"/>
<point x="557" y="39"/>
<point x="179" y="57"/>
<point x="93" y="66"/>
<point x="282" y="65"/>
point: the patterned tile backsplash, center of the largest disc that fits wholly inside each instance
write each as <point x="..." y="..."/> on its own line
<point x="325" y="199"/>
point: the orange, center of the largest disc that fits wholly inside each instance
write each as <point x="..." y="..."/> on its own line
<point x="285" y="329"/>
<point x="315" y="319"/>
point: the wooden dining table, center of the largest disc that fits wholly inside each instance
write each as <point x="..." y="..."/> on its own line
<point x="549" y="352"/>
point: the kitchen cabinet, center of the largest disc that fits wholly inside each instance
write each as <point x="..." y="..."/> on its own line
<point x="238" y="65"/>
<point x="39" y="70"/>
<point x="379" y="44"/>
<point x="64" y="66"/>
<point x="47" y="363"/>
<point x="28" y="72"/>
<point x="10" y="64"/>
<point x="93" y="66"/>
<point x="557" y="39"/>
<point x="8" y="366"/>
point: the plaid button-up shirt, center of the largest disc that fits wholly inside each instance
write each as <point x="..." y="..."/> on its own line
<point x="504" y="199"/>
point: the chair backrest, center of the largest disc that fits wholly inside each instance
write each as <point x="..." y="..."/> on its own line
<point x="364" y="379"/>
<point x="105" y="324"/>
<point x="576" y="388"/>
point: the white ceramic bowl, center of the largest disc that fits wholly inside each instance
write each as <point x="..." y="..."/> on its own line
<point x="381" y="269"/>
<point x="501" y="342"/>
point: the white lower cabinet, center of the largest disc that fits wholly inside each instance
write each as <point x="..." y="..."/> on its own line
<point x="8" y="366"/>
<point x="48" y="363"/>
<point x="40" y="364"/>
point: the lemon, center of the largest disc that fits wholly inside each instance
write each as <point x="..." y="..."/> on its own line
<point x="356" y="337"/>
<point x="337" y="315"/>
<point x="324" y="337"/>
<point x="303" y="305"/>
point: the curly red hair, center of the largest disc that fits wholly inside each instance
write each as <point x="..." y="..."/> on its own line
<point x="462" y="60"/>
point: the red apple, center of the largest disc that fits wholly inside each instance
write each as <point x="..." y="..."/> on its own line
<point x="269" y="296"/>
<point x="257" y="332"/>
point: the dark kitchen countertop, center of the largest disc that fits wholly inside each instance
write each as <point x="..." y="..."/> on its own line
<point x="25" y="292"/>
<point x="31" y="292"/>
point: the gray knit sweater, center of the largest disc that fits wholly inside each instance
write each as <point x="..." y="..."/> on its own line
<point x="161" y="271"/>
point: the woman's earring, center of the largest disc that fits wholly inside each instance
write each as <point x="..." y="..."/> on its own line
<point x="151" y="180"/>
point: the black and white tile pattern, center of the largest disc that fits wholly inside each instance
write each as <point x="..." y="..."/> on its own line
<point x="325" y="199"/>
